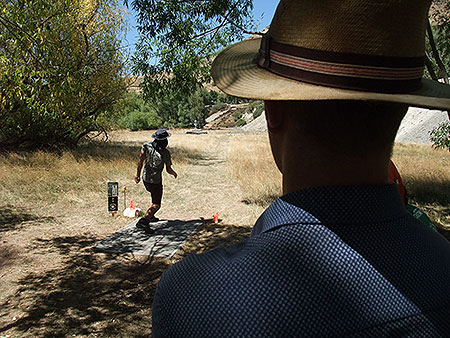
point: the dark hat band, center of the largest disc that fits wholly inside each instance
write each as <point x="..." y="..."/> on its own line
<point x="342" y="70"/>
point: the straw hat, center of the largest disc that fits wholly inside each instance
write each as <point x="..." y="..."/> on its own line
<point x="335" y="50"/>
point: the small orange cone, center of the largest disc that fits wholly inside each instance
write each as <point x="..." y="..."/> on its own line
<point x="216" y="218"/>
<point x="132" y="205"/>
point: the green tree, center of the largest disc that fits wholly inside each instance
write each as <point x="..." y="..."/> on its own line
<point x="178" y="39"/>
<point x="438" y="65"/>
<point x="184" y="110"/>
<point x="135" y="114"/>
<point x="440" y="30"/>
<point x="440" y="136"/>
<point x="192" y="112"/>
<point x="60" y="69"/>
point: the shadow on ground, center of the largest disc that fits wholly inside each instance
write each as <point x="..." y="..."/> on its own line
<point x="432" y="197"/>
<point x="12" y="219"/>
<point x="91" y="293"/>
<point x="105" y="151"/>
<point x="130" y="151"/>
<point x="428" y="191"/>
<point x="94" y="294"/>
<point x="211" y="235"/>
<point x="164" y="241"/>
<point x="9" y="255"/>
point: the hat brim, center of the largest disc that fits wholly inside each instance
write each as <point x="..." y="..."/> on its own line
<point x="236" y="72"/>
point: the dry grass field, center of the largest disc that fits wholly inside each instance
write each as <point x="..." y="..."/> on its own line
<point x="426" y="175"/>
<point x="251" y="164"/>
<point x="53" y="208"/>
<point x="425" y="172"/>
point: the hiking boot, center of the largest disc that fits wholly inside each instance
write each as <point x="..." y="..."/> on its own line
<point x="142" y="223"/>
<point x="149" y="230"/>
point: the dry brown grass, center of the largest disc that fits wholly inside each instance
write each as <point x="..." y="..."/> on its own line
<point x="424" y="170"/>
<point x="426" y="174"/>
<point x="250" y="162"/>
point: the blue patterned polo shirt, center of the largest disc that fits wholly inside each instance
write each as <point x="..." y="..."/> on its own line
<point x="322" y="262"/>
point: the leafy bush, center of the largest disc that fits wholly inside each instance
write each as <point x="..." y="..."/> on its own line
<point x="238" y="114"/>
<point x="209" y="97"/>
<point x="135" y="114"/>
<point x="240" y="123"/>
<point x="441" y="34"/>
<point x="218" y="106"/>
<point x="141" y="120"/>
<point x="230" y="99"/>
<point x="192" y="111"/>
<point x="440" y="136"/>
<point x="184" y="110"/>
<point x="257" y="107"/>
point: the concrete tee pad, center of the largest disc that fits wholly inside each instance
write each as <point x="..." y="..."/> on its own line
<point x="168" y="237"/>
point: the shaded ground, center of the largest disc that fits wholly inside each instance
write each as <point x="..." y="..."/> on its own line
<point x="163" y="242"/>
<point x="86" y="295"/>
<point x="89" y="295"/>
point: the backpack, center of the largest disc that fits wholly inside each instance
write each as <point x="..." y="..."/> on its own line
<point x="153" y="157"/>
<point x="153" y="164"/>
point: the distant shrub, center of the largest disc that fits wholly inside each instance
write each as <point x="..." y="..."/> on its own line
<point x="218" y="106"/>
<point x="240" y="123"/>
<point x="258" y="109"/>
<point x="230" y="99"/>
<point x="440" y="136"/>
<point x="141" y="119"/>
<point x="208" y="97"/>
<point x="134" y="114"/>
<point x="237" y="115"/>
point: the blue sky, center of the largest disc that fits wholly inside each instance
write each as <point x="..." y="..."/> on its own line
<point x="264" y="8"/>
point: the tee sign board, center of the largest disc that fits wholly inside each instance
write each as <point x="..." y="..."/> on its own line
<point x="113" y="196"/>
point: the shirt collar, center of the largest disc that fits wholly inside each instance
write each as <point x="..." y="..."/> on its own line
<point x="334" y="204"/>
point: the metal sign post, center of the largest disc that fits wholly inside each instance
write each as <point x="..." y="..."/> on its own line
<point x="113" y="197"/>
<point x="124" y="197"/>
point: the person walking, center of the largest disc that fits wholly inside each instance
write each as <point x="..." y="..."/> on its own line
<point x="153" y="157"/>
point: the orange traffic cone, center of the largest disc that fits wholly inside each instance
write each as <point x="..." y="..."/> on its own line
<point x="216" y="218"/>
<point x="131" y="211"/>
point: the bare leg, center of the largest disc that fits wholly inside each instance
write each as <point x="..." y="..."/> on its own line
<point x="152" y="211"/>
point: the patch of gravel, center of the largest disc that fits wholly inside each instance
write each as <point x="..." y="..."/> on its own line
<point x="415" y="126"/>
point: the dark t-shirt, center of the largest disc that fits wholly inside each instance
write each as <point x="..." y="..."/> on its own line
<point x="154" y="163"/>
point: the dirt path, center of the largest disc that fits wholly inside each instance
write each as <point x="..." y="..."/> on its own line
<point x="204" y="188"/>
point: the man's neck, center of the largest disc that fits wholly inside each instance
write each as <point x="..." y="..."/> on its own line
<point x="316" y="172"/>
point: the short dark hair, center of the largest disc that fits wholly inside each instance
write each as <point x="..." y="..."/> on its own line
<point x="348" y="128"/>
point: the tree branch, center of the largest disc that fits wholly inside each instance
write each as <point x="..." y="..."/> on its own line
<point x="430" y="69"/>
<point x="437" y="58"/>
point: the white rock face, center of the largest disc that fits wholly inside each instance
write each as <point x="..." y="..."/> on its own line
<point x="417" y="124"/>
<point x="258" y="124"/>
